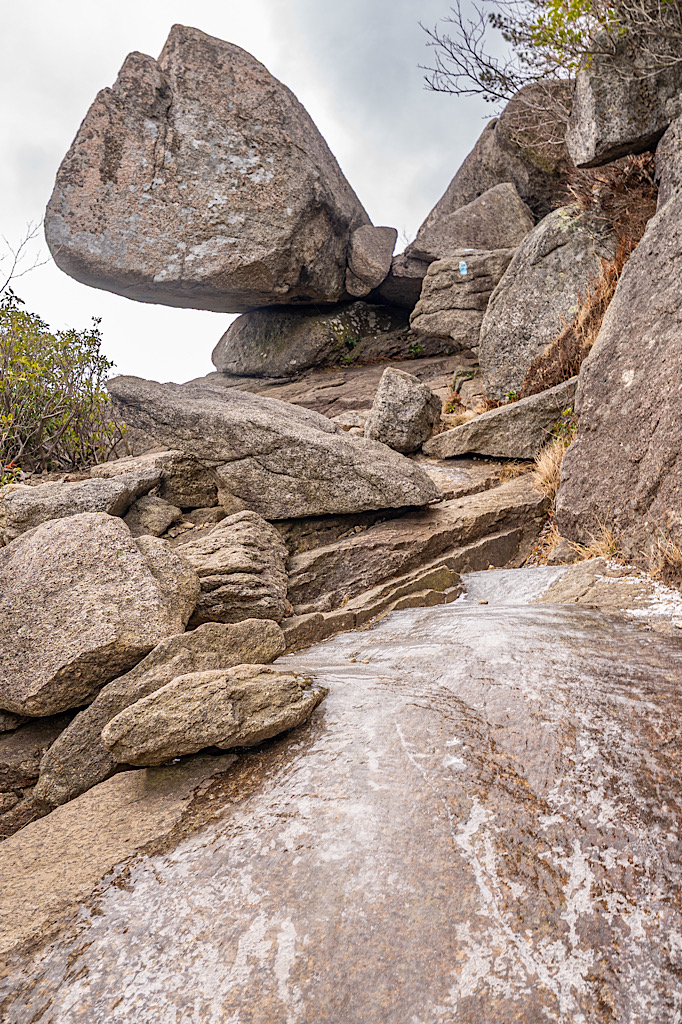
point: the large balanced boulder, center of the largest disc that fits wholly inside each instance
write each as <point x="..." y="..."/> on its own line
<point x="284" y="342"/>
<point x="23" y="507"/>
<point x="80" y="603"/>
<point x="554" y="266"/>
<point x="514" y="431"/>
<point x="278" y="459"/>
<point x="617" y="111"/>
<point x="225" y="708"/>
<point x="523" y="146"/>
<point x="624" y="468"/>
<point x="455" y="295"/>
<point x="498" y="219"/>
<point x="79" y="760"/>
<point x="199" y="180"/>
<point x="241" y="565"/>
<point x="404" y="412"/>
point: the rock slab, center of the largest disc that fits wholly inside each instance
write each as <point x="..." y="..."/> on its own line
<point x="226" y="708"/>
<point x="280" y="460"/>
<point x="623" y="469"/>
<point x="80" y="603"/>
<point x="518" y="430"/>
<point x="540" y="290"/>
<point x="199" y="180"/>
<point x="404" y="412"/>
<point x="78" y="760"/>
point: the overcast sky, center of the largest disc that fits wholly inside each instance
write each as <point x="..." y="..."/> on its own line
<point x="352" y="63"/>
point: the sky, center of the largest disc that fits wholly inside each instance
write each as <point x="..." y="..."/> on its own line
<point x="354" y="64"/>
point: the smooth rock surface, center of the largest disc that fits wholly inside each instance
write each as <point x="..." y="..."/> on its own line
<point x="22" y="750"/>
<point x="538" y="293"/>
<point x="616" y="112"/>
<point x="518" y="430"/>
<point x="261" y="442"/>
<point x="369" y="258"/>
<point x="455" y="295"/>
<point x="481" y="822"/>
<point x="241" y="565"/>
<point x="404" y="412"/>
<point x="54" y="863"/>
<point x="283" y="342"/>
<point x="497" y="219"/>
<point x="199" y="180"/>
<point x="669" y="163"/>
<point x="105" y="600"/>
<point x="623" y="469"/>
<point x="225" y="708"/>
<point x="334" y="572"/>
<point x="184" y="480"/>
<point x="23" y="507"/>
<point x="78" y="760"/>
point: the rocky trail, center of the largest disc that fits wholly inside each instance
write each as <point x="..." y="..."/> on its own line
<point x="345" y="687"/>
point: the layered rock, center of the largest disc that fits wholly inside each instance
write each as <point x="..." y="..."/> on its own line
<point x="515" y="431"/>
<point x="617" y="110"/>
<point x="23" y="507"/>
<point x="199" y="180"/>
<point x="455" y="295"/>
<point x="105" y="600"/>
<point x="523" y="146"/>
<point x="540" y="290"/>
<point x="497" y="219"/>
<point x="241" y="565"/>
<point x="183" y="480"/>
<point x="404" y="412"/>
<point x="79" y="760"/>
<point x="225" y="708"/>
<point x="623" y="470"/>
<point x="369" y="258"/>
<point x="282" y="343"/>
<point x="279" y="460"/>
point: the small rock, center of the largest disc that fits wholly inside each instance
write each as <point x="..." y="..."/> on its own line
<point x="404" y="412"/>
<point x="228" y="708"/>
<point x="483" y="602"/>
<point x="151" y="515"/>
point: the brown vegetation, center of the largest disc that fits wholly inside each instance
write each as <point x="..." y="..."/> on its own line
<point x="622" y="195"/>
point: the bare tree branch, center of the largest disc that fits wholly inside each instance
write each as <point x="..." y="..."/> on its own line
<point x="13" y="261"/>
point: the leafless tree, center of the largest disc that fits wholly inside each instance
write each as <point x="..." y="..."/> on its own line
<point x="17" y="260"/>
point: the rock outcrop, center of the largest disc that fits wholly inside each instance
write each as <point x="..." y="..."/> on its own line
<point x="369" y="258"/>
<point x="623" y="470"/>
<point x="183" y="480"/>
<point x="284" y="342"/>
<point x="669" y="163"/>
<point x="404" y="412"/>
<point x="241" y="565"/>
<point x="225" y="708"/>
<point x="617" y="111"/>
<point x="78" y="759"/>
<point x="199" y="180"/>
<point x="514" y="431"/>
<point x="279" y="460"/>
<point x="518" y="148"/>
<point x="497" y="219"/>
<point x="80" y="603"/>
<point x="23" y="507"/>
<point x="455" y="295"/>
<point x="540" y="290"/>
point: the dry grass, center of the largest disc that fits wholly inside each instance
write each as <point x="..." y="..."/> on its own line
<point x="547" y="472"/>
<point x="603" y="545"/>
<point x="665" y="561"/>
<point x="510" y="470"/>
<point x="623" y="196"/>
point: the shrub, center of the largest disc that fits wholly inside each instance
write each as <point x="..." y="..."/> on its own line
<point x="54" y="410"/>
<point x="623" y="197"/>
